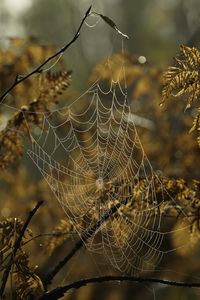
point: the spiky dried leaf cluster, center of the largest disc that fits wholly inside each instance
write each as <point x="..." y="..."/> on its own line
<point x="26" y="282"/>
<point x="184" y="79"/>
<point x="24" y="278"/>
<point x="12" y="137"/>
<point x="181" y="199"/>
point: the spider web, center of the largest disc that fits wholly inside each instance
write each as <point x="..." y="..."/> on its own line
<point x="91" y="156"/>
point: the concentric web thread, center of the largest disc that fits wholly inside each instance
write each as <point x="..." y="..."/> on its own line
<point x="91" y="156"/>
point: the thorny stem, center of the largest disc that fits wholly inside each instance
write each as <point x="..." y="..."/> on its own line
<point x="39" y="68"/>
<point x="16" y="247"/>
<point x="59" y="292"/>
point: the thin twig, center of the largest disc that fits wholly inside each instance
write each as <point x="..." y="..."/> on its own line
<point x="59" y="292"/>
<point x="88" y="233"/>
<point x="39" y="69"/>
<point x="16" y="248"/>
<point x="57" y="234"/>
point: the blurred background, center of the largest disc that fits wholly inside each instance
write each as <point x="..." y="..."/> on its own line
<point x="156" y="29"/>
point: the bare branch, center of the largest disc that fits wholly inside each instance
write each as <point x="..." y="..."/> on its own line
<point x="39" y="69"/>
<point x="59" y="292"/>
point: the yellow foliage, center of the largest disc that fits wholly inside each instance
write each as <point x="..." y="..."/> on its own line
<point x="184" y="79"/>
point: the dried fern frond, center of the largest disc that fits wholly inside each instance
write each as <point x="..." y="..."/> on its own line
<point x="11" y="138"/>
<point x="184" y="195"/>
<point x="11" y="148"/>
<point x="184" y="79"/>
<point x="53" y="85"/>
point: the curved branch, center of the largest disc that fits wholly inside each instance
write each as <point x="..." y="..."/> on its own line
<point x="59" y="292"/>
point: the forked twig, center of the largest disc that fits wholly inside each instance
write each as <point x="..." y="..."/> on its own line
<point x="39" y="69"/>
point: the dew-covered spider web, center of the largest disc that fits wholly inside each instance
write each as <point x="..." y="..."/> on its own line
<point x="90" y="154"/>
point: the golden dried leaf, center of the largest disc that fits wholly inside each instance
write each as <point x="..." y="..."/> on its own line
<point x="184" y="79"/>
